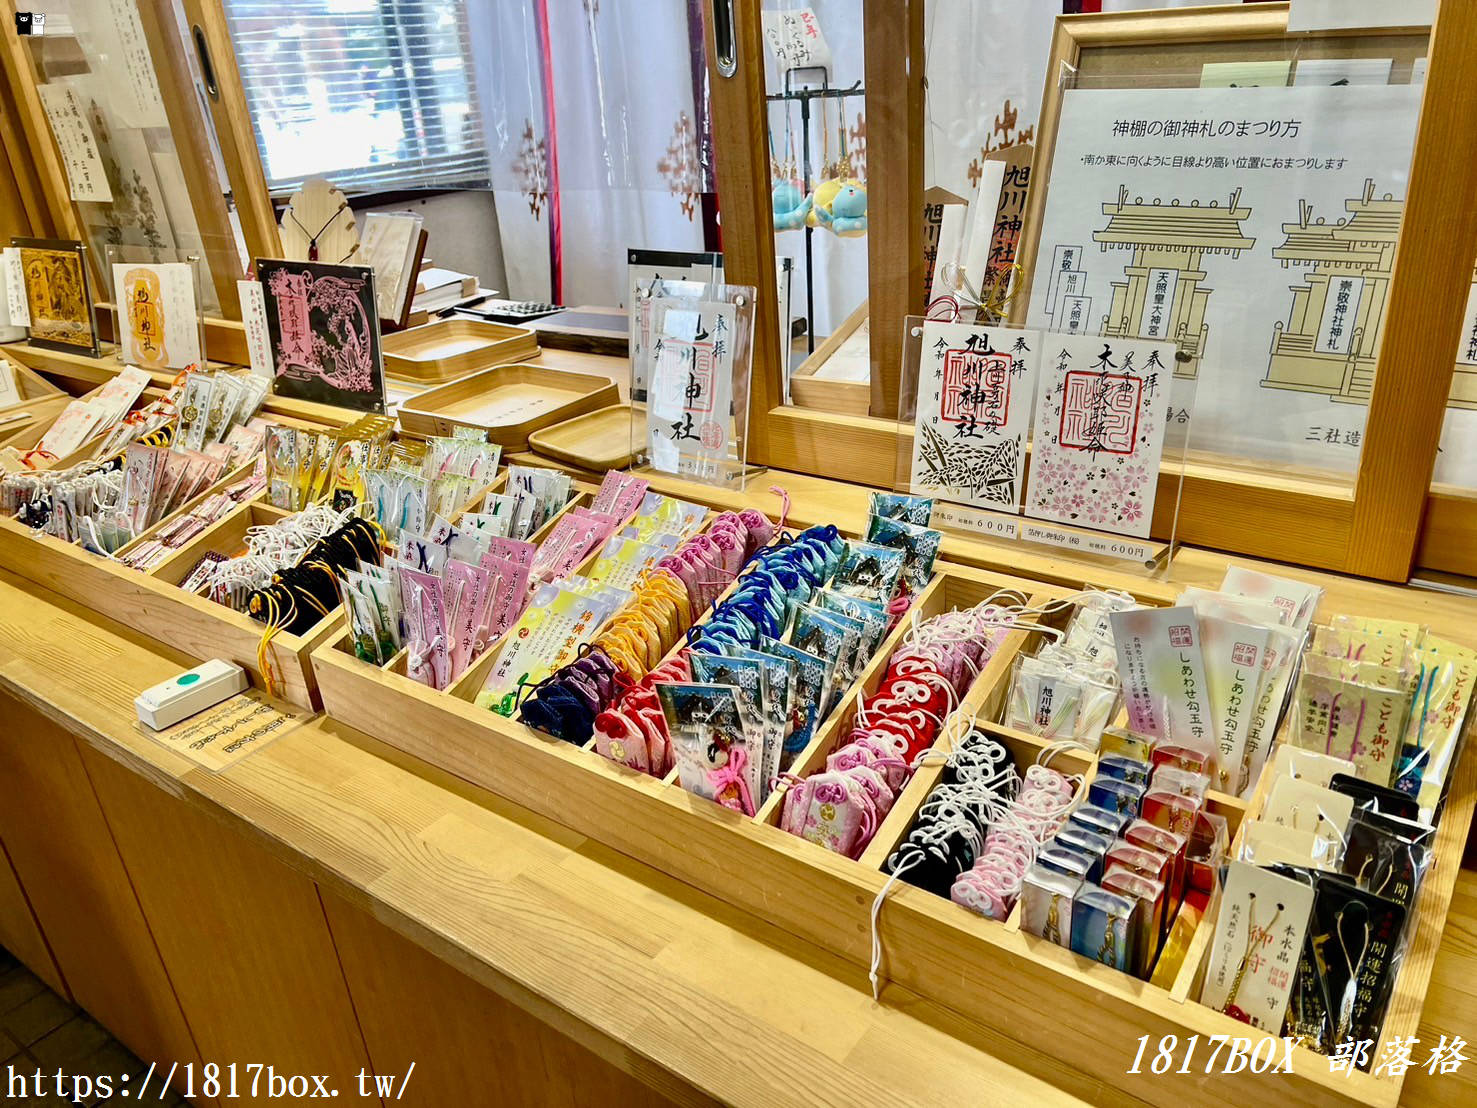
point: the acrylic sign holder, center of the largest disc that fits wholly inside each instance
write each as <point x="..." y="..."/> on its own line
<point x="697" y="365"/>
<point x="138" y="312"/>
<point x="1093" y="469"/>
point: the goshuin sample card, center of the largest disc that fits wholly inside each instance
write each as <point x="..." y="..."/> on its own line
<point x="975" y="390"/>
<point x="1101" y="414"/>
<point x="323" y="325"/>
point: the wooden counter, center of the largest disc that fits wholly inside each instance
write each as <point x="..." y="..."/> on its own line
<point x="262" y="915"/>
<point x="326" y="910"/>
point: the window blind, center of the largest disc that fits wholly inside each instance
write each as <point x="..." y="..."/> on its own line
<point x="372" y="94"/>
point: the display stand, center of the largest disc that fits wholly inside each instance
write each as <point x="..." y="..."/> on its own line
<point x="804" y="96"/>
<point x="156" y="307"/>
<point x="697" y="365"/>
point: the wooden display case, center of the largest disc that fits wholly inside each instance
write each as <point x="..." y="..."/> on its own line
<point x="152" y="603"/>
<point x="1012" y="983"/>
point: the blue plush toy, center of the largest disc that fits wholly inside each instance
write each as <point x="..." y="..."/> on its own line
<point x="790" y="205"/>
<point x="849" y="210"/>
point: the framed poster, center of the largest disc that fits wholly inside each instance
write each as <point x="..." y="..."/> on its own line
<point x="58" y="295"/>
<point x="323" y="328"/>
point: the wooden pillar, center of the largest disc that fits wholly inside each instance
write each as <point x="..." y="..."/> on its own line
<point x="40" y="174"/>
<point x="895" y="270"/>
<point x="1427" y="301"/>
<point x="747" y="219"/>
<point x="234" y="130"/>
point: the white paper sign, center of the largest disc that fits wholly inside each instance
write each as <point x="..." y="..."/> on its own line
<point x="689" y="414"/>
<point x="254" y="319"/>
<point x="1251" y="196"/>
<point x="13" y="277"/>
<point x="1101" y="414"/>
<point x="982" y="209"/>
<point x="975" y="389"/>
<point x="1076" y="315"/>
<point x="1088" y="542"/>
<point x="136" y="95"/>
<point x="78" y="145"/>
<point x="644" y="270"/>
<point x="972" y="519"/>
<point x="159" y="320"/>
<point x="795" y="39"/>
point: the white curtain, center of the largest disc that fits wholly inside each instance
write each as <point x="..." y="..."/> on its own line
<point x="598" y="93"/>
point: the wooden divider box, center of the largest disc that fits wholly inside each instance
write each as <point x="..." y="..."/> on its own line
<point x="151" y="602"/>
<point x="30" y="389"/>
<point x="1008" y="981"/>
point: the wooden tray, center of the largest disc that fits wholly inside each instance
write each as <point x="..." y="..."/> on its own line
<point x="807" y="390"/>
<point x="1010" y="982"/>
<point x="449" y="348"/>
<point x="47" y="411"/>
<point x="151" y="603"/>
<point x="467" y="684"/>
<point x="507" y="402"/>
<point x="34" y="414"/>
<point x="598" y="440"/>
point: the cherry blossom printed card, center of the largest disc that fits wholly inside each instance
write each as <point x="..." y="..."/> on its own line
<point x="976" y="386"/>
<point x="1101" y="414"/>
<point x="323" y="329"/>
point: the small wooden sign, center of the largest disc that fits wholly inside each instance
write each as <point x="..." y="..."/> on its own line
<point x="221" y="736"/>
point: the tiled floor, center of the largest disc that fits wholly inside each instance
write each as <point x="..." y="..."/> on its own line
<point x="40" y="1030"/>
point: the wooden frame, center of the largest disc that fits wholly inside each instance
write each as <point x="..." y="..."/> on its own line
<point x="1380" y="516"/>
<point x="1369" y="525"/>
<point x="42" y="183"/>
<point x="895" y="265"/>
<point x="211" y="41"/>
<point x="736" y="96"/>
<point x="186" y="125"/>
<point x="190" y="131"/>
